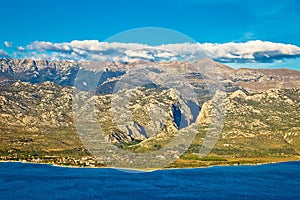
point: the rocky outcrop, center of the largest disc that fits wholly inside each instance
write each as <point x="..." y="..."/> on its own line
<point x="199" y="72"/>
<point x="36" y="104"/>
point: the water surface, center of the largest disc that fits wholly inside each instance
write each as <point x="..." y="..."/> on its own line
<point x="34" y="181"/>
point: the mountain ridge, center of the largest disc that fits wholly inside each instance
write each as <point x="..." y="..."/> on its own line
<point x="36" y="116"/>
<point x="64" y="72"/>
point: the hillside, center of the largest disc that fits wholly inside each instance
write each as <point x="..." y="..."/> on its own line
<point x="37" y="122"/>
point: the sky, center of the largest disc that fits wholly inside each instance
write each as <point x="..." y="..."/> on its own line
<point x="205" y="21"/>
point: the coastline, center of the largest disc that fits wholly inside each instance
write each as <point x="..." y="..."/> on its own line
<point x="270" y="161"/>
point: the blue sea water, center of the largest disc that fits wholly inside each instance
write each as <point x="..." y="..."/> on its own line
<point x="34" y="181"/>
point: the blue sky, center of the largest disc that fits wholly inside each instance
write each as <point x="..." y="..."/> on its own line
<point x="24" y="21"/>
<point x="213" y="21"/>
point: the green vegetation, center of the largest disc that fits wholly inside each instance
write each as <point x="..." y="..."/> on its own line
<point x="261" y="127"/>
<point x="197" y="157"/>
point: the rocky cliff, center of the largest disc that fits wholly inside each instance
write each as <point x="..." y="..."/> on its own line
<point x="36" y="113"/>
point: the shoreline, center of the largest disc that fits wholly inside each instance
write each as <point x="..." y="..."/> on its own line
<point x="142" y="170"/>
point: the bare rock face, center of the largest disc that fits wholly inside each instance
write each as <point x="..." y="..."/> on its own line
<point x="36" y="97"/>
<point x="28" y="105"/>
<point x="39" y="71"/>
<point x="265" y="79"/>
<point x="64" y="72"/>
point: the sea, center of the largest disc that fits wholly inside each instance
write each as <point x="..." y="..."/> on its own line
<point x="41" y="181"/>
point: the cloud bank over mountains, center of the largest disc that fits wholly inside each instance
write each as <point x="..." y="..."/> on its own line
<point x="80" y="50"/>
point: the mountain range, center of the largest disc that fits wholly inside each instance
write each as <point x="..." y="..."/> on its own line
<point x="37" y="113"/>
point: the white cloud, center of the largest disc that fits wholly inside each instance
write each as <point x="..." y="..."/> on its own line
<point x="252" y="51"/>
<point x="80" y="50"/>
<point x="86" y="45"/>
<point x="48" y="46"/>
<point x="20" y="48"/>
<point x="3" y="53"/>
<point x="8" y="44"/>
